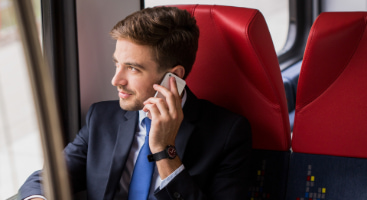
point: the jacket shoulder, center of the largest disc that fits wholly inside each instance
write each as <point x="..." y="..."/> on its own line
<point x="211" y="110"/>
<point x="105" y="107"/>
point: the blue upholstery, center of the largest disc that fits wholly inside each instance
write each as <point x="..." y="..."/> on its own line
<point x="291" y="118"/>
<point x="290" y="81"/>
<point x="269" y="174"/>
<point x="330" y="177"/>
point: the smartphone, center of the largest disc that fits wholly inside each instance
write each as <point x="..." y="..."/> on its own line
<point x="165" y="83"/>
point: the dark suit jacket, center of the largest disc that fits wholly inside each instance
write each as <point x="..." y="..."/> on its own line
<point x="213" y="144"/>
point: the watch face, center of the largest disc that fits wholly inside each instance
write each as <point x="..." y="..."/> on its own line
<point x="171" y="152"/>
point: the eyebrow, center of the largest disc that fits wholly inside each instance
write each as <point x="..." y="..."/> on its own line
<point x="134" y="64"/>
<point x="129" y="63"/>
<point x="114" y="59"/>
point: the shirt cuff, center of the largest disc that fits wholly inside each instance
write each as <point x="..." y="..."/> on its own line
<point x="35" y="196"/>
<point x="167" y="180"/>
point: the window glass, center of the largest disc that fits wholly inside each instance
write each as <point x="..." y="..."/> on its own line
<point x="20" y="144"/>
<point x="341" y="5"/>
<point x="276" y="13"/>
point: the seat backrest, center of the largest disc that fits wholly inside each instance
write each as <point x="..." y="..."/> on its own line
<point x="331" y="108"/>
<point x="237" y="68"/>
<point x="329" y="159"/>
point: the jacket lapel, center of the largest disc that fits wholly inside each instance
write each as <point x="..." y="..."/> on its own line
<point x="121" y="151"/>
<point x="191" y="114"/>
<point x="126" y="133"/>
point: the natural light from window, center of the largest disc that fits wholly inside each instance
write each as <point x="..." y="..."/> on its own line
<point x="276" y="13"/>
<point x="20" y="145"/>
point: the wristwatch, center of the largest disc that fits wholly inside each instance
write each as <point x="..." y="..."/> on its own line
<point x="169" y="152"/>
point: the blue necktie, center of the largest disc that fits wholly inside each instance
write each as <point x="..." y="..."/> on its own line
<point x="143" y="170"/>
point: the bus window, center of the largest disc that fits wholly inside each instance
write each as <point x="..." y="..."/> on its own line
<point x="276" y="13"/>
<point x="340" y="5"/>
<point x="20" y="143"/>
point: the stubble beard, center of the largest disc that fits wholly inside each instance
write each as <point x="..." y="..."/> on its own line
<point x="133" y="103"/>
<point x="131" y="106"/>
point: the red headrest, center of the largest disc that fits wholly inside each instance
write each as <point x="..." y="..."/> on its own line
<point x="237" y="67"/>
<point x="331" y="106"/>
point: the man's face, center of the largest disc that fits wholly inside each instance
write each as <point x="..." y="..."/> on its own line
<point x="136" y="72"/>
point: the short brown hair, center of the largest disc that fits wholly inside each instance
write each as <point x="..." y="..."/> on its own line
<point x="172" y="33"/>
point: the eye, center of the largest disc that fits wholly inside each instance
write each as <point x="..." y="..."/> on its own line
<point x="133" y="69"/>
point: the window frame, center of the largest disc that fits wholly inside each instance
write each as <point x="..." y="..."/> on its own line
<point x="302" y="14"/>
<point x="55" y="178"/>
<point x="60" y="48"/>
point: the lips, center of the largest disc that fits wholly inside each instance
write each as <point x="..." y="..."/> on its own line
<point x="124" y="95"/>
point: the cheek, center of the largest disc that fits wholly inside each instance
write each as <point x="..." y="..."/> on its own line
<point x="144" y="87"/>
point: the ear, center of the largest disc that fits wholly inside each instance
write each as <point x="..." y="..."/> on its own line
<point x="179" y="71"/>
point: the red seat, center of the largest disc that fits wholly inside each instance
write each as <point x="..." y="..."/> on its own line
<point x="237" y="67"/>
<point x="331" y="108"/>
<point x="330" y="127"/>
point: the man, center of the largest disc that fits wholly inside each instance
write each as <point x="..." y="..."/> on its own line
<point x="212" y="144"/>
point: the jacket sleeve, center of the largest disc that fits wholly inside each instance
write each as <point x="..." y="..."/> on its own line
<point x="75" y="155"/>
<point x="230" y="179"/>
<point x="32" y="186"/>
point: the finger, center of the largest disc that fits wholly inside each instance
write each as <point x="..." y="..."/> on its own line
<point x="176" y="102"/>
<point x="164" y="91"/>
<point x="172" y="97"/>
<point x="173" y="86"/>
<point x="160" y="103"/>
<point x="152" y="110"/>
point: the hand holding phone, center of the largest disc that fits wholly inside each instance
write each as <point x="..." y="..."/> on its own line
<point x="166" y="115"/>
<point x="165" y="83"/>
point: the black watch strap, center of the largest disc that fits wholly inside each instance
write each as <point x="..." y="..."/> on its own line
<point x="169" y="152"/>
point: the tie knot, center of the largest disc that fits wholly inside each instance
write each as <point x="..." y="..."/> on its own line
<point x="147" y="123"/>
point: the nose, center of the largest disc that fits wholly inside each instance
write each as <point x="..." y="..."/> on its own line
<point x="119" y="77"/>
